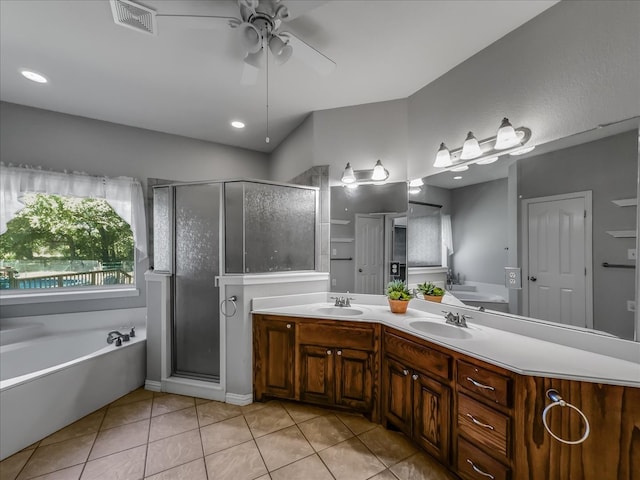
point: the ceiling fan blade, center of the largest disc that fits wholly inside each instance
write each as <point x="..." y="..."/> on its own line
<point x="300" y="7"/>
<point x="309" y="55"/>
<point x="194" y="22"/>
<point x="249" y="74"/>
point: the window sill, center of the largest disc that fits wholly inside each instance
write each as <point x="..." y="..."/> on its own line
<point x="71" y="295"/>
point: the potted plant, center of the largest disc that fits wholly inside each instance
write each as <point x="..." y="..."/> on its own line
<point x="398" y="295"/>
<point x="430" y="292"/>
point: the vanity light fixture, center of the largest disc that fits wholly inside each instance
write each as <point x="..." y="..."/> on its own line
<point x="377" y="176"/>
<point x="470" y="148"/>
<point x="508" y="140"/>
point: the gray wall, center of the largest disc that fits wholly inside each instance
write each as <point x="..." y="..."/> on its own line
<point x="66" y="142"/>
<point x="479" y="226"/>
<point x="608" y="168"/>
<point x="569" y="69"/>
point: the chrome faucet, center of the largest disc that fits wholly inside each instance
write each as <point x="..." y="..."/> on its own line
<point x="116" y="336"/>
<point x="342" y="301"/>
<point x="456" y="319"/>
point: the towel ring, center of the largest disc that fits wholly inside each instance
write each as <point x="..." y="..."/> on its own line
<point x="232" y="299"/>
<point x="557" y="400"/>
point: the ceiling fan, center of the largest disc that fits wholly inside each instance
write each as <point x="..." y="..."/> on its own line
<point x="259" y="30"/>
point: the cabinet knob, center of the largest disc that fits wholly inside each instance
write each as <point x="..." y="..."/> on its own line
<point x="415" y="376"/>
<point x="329" y="352"/>
<point x="339" y="352"/>
<point x="288" y="325"/>
<point x="405" y="372"/>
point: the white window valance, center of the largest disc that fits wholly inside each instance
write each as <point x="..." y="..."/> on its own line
<point x="124" y="194"/>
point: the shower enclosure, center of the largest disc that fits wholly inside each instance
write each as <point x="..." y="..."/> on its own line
<point x="204" y="230"/>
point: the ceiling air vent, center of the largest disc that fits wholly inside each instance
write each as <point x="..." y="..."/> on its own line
<point x="134" y="16"/>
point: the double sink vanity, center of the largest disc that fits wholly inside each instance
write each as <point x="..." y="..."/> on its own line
<point x="472" y="397"/>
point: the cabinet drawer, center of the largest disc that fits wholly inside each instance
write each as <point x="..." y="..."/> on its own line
<point x="490" y="385"/>
<point x="474" y="464"/>
<point x="484" y="425"/>
<point x="419" y="357"/>
<point x="336" y="336"/>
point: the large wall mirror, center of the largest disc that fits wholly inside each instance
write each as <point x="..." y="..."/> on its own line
<point x="564" y="215"/>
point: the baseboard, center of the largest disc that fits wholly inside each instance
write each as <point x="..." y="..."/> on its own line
<point x="240" y="400"/>
<point x="152" y="386"/>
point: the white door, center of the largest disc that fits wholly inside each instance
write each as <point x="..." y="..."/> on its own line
<point x="556" y="255"/>
<point x="369" y="253"/>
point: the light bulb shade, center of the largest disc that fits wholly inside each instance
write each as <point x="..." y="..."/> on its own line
<point x="506" y="137"/>
<point x="250" y="37"/>
<point x="443" y="157"/>
<point x="470" y="148"/>
<point x="254" y="59"/>
<point x="280" y="49"/>
<point x="348" y="176"/>
<point x="379" y="173"/>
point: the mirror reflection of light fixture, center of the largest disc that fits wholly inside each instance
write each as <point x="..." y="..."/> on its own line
<point x="461" y="168"/>
<point x="376" y="176"/>
<point x="443" y="157"/>
<point x="508" y="140"/>
<point x="506" y="137"/>
<point x="417" y="182"/>
<point x="470" y="148"/>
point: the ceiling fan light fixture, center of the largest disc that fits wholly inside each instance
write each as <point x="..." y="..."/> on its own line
<point x="506" y="137"/>
<point x="250" y="37"/>
<point x="280" y="49"/>
<point x="254" y="59"/>
<point x="470" y="148"/>
<point x="443" y="157"/>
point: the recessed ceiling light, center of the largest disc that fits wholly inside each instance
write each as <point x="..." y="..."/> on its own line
<point x="487" y="161"/>
<point x="457" y="177"/>
<point x="34" y="76"/>
<point x="237" y="124"/>
<point x="522" y="151"/>
<point x="462" y="168"/>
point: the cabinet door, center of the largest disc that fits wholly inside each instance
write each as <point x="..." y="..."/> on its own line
<point x="316" y="374"/>
<point x="354" y="379"/>
<point x="274" y="353"/>
<point x="397" y="397"/>
<point x="431" y="422"/>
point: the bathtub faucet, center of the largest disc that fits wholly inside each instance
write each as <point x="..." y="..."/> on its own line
<point x="115" y="336"/>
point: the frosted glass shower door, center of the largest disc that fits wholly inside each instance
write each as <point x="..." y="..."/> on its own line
<point x="196" y="318"/>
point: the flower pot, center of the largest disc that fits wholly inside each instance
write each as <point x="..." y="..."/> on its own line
<point x="398" y="306"/>
<point x="433" y="298"/>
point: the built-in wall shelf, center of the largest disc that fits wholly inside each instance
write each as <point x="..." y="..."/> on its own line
<point x="626" y="202"/>
<point x="622" y="233"/>
<point x="341" y="240"/>
<point x="336" y="221"/>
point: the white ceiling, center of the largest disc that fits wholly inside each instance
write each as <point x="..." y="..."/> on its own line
<point x="186" y="81"/>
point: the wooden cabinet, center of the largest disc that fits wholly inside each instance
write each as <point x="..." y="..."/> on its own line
<point x="274" y="356"/>
<point x="324" y="362"/>
<point x="414" y="401"/>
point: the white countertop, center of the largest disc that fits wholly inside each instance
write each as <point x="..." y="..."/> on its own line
<point x="519" y="353"/>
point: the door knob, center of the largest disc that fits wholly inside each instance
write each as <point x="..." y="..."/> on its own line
<point x="360" y="270"/>
<point x="533" y="279"/>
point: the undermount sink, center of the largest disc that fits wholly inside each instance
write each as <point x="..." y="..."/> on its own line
<point x="441" y="329"/>
<point x="339" y="311"/>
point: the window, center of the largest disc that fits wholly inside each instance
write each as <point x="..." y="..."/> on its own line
<point x="424" y="235"/>
<point x="59" y="231"/>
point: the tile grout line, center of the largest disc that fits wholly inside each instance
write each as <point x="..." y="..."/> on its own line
<point x="146" y="450"/>
<point x="94" y="441"/>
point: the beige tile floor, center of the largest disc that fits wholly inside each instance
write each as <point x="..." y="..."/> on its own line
<point x="146" y="435"/>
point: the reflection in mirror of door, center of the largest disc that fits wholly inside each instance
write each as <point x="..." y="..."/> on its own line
<point x="487" y="228"/>
<point x="361" y="241"/>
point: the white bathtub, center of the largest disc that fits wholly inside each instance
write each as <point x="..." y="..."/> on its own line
<point x="490" y="301"/>
<point x="51" y="381"/>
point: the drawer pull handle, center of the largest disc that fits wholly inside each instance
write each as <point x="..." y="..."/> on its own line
<point x="288" y="325"/>
<point x="479" y="470"/>
<point x="405" y="372"/>
<point x="329" y="352"/>
<point x="480" y="385"/>
<point x="478" y="422"/>
<point x="339" y="352"/>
